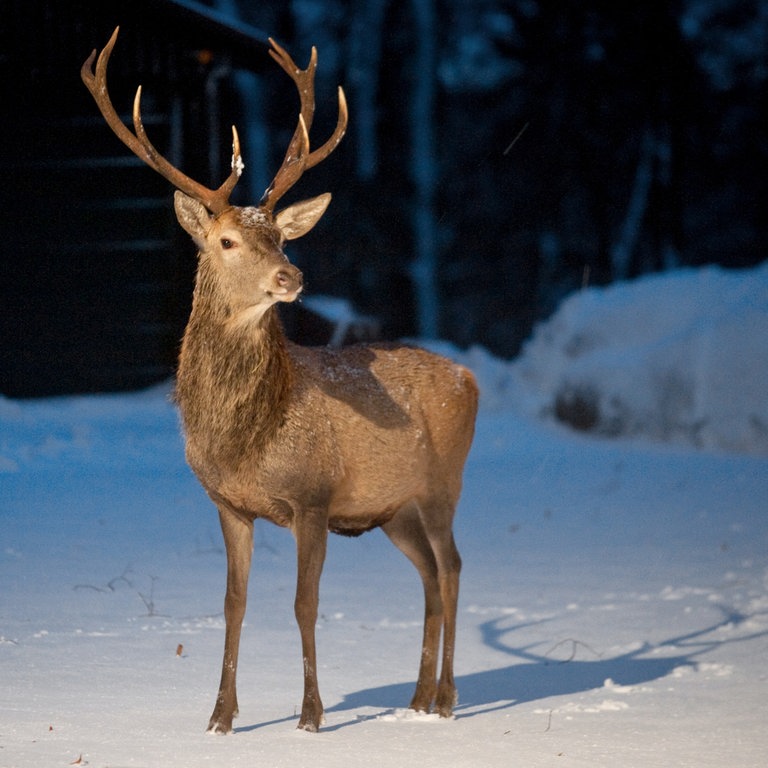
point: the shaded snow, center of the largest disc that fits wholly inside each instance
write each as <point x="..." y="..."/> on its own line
<point x="614" y="605"/>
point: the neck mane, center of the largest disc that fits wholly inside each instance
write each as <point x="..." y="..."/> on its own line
<point x="233" y="383"/>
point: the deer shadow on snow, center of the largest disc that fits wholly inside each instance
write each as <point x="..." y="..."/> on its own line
<point x="556" y="672"/>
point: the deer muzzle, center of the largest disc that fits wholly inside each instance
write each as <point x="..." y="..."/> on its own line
<point x="288" y="284"/>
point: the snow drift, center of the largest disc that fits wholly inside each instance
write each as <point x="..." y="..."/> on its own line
<point x="679" y="357"/>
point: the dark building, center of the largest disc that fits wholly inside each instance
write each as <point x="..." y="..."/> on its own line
<point x="95" y="274"/>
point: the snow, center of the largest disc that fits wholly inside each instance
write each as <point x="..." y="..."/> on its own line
<point x="252" y="216"/>
<point x="237" y="164"/>
<point x="343" y="317"/>
<point x="614" y="605"/>
<point x="678" y="357"/>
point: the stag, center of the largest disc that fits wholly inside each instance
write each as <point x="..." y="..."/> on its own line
<point x="312" y="439"/>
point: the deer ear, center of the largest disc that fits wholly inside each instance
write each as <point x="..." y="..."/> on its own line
<point x="297" y="219"/>
<point x="193" y="216"/>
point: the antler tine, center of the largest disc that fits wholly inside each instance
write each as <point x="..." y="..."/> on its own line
<point x="298" y="157"/>
<point x="214" y="200"/>
<point x="304" y="78"/>
<point x="318" y="155"/>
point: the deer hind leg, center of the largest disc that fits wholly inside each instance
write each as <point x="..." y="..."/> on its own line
<point x="407" y="533"/>
<point x="238" y="539"/>
<point x="449" y="568"/>
<point x="437" y="519"/>
<point x="311" y="532"/>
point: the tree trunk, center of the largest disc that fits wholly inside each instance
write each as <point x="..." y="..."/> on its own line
<point x="424" y="172"/>
<point x="364" y="67"/>
<point x="621" y="253"/>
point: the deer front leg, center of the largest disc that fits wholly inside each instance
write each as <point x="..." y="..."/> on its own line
<point x="238" y="539"/>
<point x="311" y="531"/>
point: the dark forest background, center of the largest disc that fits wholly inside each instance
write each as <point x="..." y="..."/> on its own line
<point x="501" y="153"/>
<point x="570" y="143"/>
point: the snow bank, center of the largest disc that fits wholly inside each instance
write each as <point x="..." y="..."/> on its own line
<point x="679" y="357"/>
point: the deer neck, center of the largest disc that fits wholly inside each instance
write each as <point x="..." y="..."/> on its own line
<point x="233" y="384"/>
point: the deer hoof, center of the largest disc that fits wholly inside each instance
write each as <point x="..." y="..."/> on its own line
<point x="311" y="722"/>
<point x="447" y="698"/>
<point x="219" y="726"/>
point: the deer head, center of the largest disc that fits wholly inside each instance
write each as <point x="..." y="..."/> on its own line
<point x="241" y="248"/>
<point x="241" y="254"/>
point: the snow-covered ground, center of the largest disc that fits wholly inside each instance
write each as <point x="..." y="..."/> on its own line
<point x="614" y="606"/>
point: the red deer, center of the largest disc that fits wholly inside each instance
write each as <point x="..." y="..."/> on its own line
<point x="312" y="439"/>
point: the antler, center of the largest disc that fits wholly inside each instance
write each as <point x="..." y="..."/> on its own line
<point x="298" y="158"/>
<point x="215" y="200"/>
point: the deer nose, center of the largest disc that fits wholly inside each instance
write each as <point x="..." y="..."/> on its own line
<point x="290" y="282"/>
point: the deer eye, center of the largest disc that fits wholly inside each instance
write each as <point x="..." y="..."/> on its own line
<point x="226" y="243"/>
